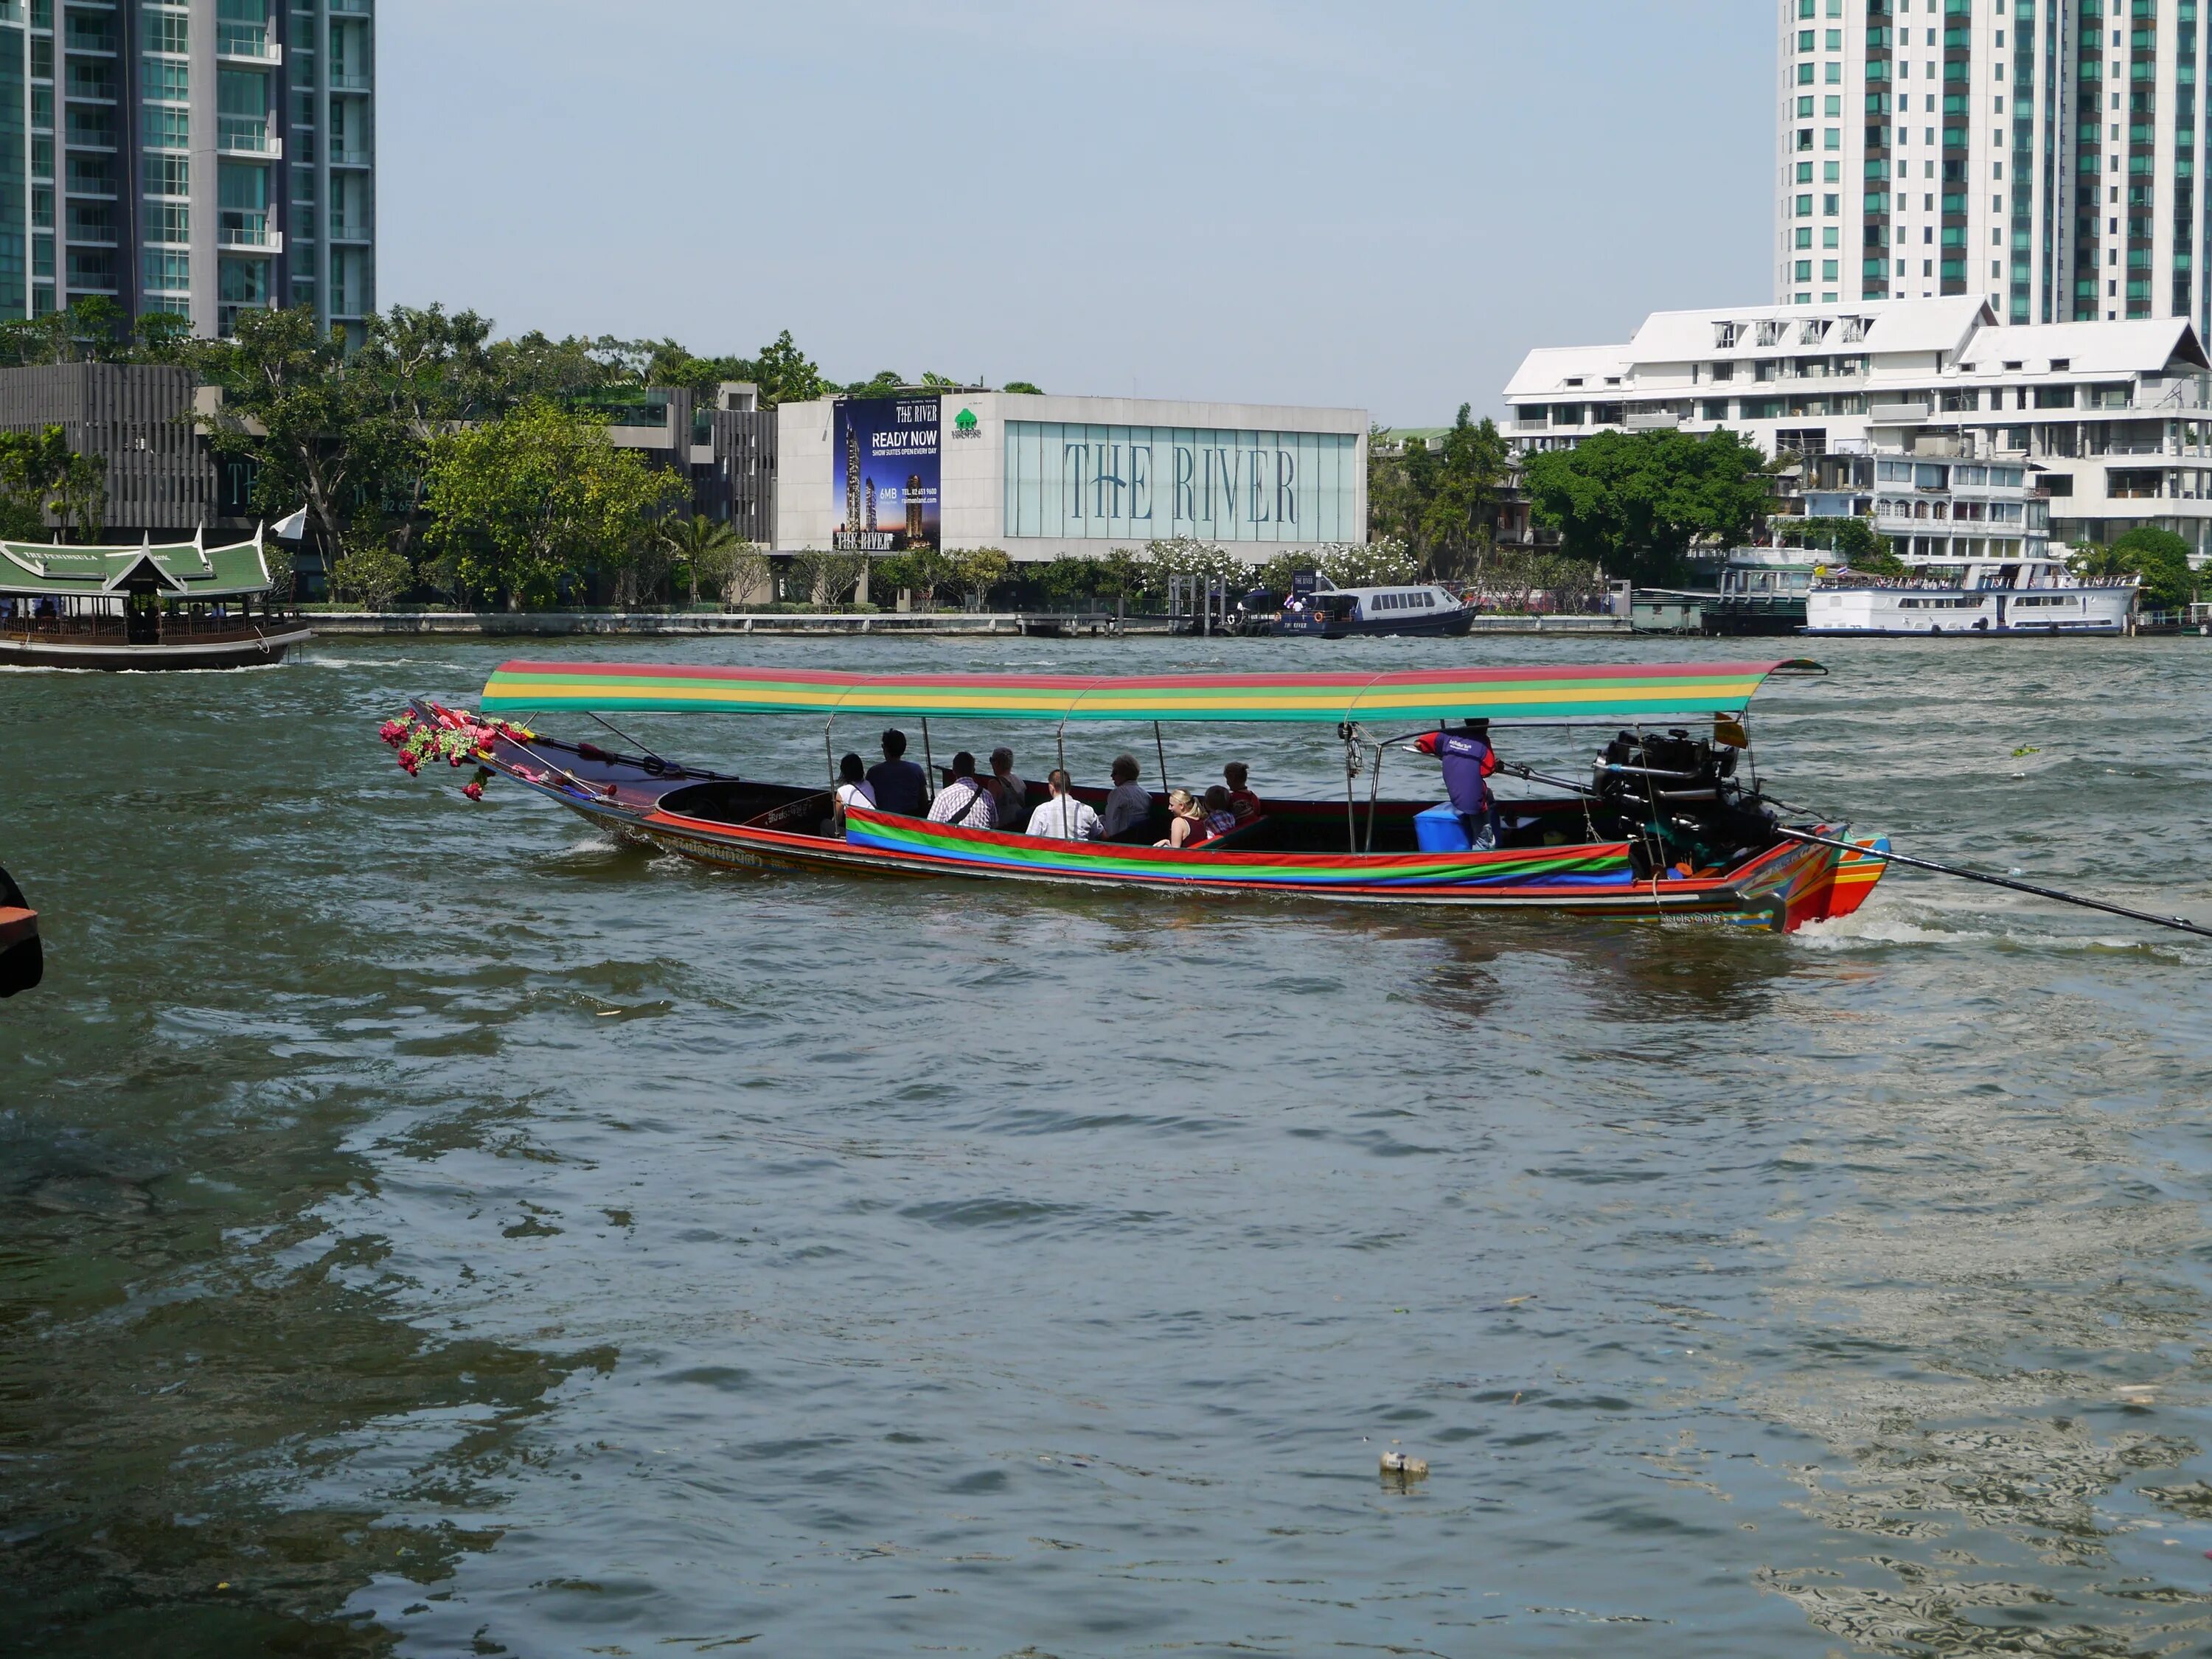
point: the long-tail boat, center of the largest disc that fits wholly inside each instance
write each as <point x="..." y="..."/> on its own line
<point x="1665" y="829"/>
<point x="22" y="958"/>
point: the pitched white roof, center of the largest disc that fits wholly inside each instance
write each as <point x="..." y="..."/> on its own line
<point x="2143" y="346"/>
<point x="1547" y="369"/>
<point x="1682" y="337"/>
<point x="1962" y="328"/>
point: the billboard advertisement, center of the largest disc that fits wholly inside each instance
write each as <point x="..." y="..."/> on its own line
<point x="884" y="468"/>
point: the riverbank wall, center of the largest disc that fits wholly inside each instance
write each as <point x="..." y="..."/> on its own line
<point x="546" y="624"/>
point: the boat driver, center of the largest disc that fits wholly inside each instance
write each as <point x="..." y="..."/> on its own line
<point x="1468" y="761"/>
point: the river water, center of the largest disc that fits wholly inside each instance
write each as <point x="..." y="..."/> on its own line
<point x="429" y="1228"/>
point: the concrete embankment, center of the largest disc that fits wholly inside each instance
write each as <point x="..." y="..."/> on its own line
<point x="474" y="624"/>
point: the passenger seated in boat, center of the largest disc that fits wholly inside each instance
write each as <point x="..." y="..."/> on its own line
<point x="1064" y="818"/>
<point x="1218" y="816"/>
<point x="900" y="786"/>
<point x="1186" y="820"/>
<point x="1129" y="805"/>
<point x="1468" y="761"/>
<point x="965" y="800"/>
<point x="1242" y="800"/>
<point x="852" y="785"/>
<point x="1010" y="794"/>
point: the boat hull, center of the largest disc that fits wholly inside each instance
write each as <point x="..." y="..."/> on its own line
<point x="1449" y="624"/>
<point x="109" y="652"/>
<point x="1788" y="888"/>
<point x="1929" y="613"/>
<point x="23" y="958"/>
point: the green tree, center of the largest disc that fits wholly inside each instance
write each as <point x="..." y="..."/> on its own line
<point x="41" y="474"/>
<point x="1633" y="503"/>
<point x="703" y="550"/>
<point x="887" y="382"/>
<point x="533" y="365"/>
<point x="369" y="571"/>
<point x="1395" y="495"/>
<point x="924" y="571"/>
<point x="525" y="504"/>
<point x="1458" y="503"/>
<point x="416" y="372"/>
<point x="1024" y="386"/>
<point x="978" y="570"/>
<point x="316" y="434"/>
<point x="2159" y="557"/>
<point x="827" y="578"/>
<point x="1855" y="541"/>
<point x="163" y="336"/>
<point x="785" y="375"/>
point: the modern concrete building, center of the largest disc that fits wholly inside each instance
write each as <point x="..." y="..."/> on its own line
<point x="725" y="445"/>
<point x="2046" y="156"/>
<point x="163" y="481"/>
<point x="1041" y="477"/>
<point x="2112" y="419"/>
<point x="193" y="156"/>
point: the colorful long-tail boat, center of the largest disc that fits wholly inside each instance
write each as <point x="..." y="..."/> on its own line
<point x="1664" y="829"/>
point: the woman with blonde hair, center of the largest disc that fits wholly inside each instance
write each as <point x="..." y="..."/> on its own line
<point x="1186" y="820"/>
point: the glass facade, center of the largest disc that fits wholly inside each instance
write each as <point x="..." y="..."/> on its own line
<point x="1136" y="483"/>
<point x="15" y="182"/>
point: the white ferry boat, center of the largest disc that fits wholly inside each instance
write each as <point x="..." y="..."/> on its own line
<point x="1973" y="598"/>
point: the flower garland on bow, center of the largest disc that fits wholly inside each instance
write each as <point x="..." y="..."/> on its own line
<point x="452" y="737"/>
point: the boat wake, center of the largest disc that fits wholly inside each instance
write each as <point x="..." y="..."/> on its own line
<point x="1971" y="927"/>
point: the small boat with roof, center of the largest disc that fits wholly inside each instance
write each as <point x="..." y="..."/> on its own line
<point x="1668" y="827"/>
<point x="1416" y="609"/>
<point x="172" y="605"/>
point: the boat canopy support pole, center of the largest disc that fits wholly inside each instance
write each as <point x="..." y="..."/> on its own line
<point x="928" y="764"/>
<point x="1160" y="744"/>
<point x="1351" y="797"/>
<point x="2178" y="923"/>
<point x="1374" y="790"/>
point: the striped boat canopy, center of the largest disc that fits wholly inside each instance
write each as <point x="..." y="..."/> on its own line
<point x="1629" y="691"/>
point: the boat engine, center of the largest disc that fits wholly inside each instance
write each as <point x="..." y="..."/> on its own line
<point x="1678" y="794"/>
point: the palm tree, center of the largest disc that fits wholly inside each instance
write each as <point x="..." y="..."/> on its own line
<point x="703" y="544"/>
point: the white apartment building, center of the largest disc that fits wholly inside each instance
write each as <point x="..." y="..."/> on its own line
<point x="2045" y="155"/>
<point x="2113" y="420"/>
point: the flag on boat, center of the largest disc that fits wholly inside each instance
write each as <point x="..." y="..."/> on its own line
<point x="291" y="529"/>
<point x="1625" y="692"/>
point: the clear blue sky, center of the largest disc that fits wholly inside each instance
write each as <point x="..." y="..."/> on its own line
<point x="1379" y="206"/>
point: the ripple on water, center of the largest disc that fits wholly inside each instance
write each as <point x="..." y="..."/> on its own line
<point x="447" y="1229"/>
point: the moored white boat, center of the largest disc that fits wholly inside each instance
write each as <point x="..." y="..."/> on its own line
<point x="1975" y="598"/>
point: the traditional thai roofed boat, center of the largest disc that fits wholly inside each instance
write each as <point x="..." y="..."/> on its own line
<point x="1664" y="829"/>
<point x="178" y="605"/>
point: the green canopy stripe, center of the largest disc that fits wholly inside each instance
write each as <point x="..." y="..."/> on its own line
<point x="1626" y="691"/>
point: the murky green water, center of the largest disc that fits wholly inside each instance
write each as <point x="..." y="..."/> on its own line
<point x="427" y="1228"/>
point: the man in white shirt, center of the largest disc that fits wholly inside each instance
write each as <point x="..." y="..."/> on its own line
<point x="1064" y="818"/>
<point x="1131" y="804"/>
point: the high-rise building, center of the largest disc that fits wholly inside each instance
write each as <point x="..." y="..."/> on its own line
<point x="2043" y="154"/>
<point x="192" y="156"/>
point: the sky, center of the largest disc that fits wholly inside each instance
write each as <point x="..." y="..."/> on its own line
<point x="1245" y="201"/>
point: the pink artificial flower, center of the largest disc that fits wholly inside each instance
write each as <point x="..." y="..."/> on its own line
<point x="473" y="790"/>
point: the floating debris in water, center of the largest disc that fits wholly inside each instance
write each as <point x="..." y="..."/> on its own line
<point x="1405" y="1465"/>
